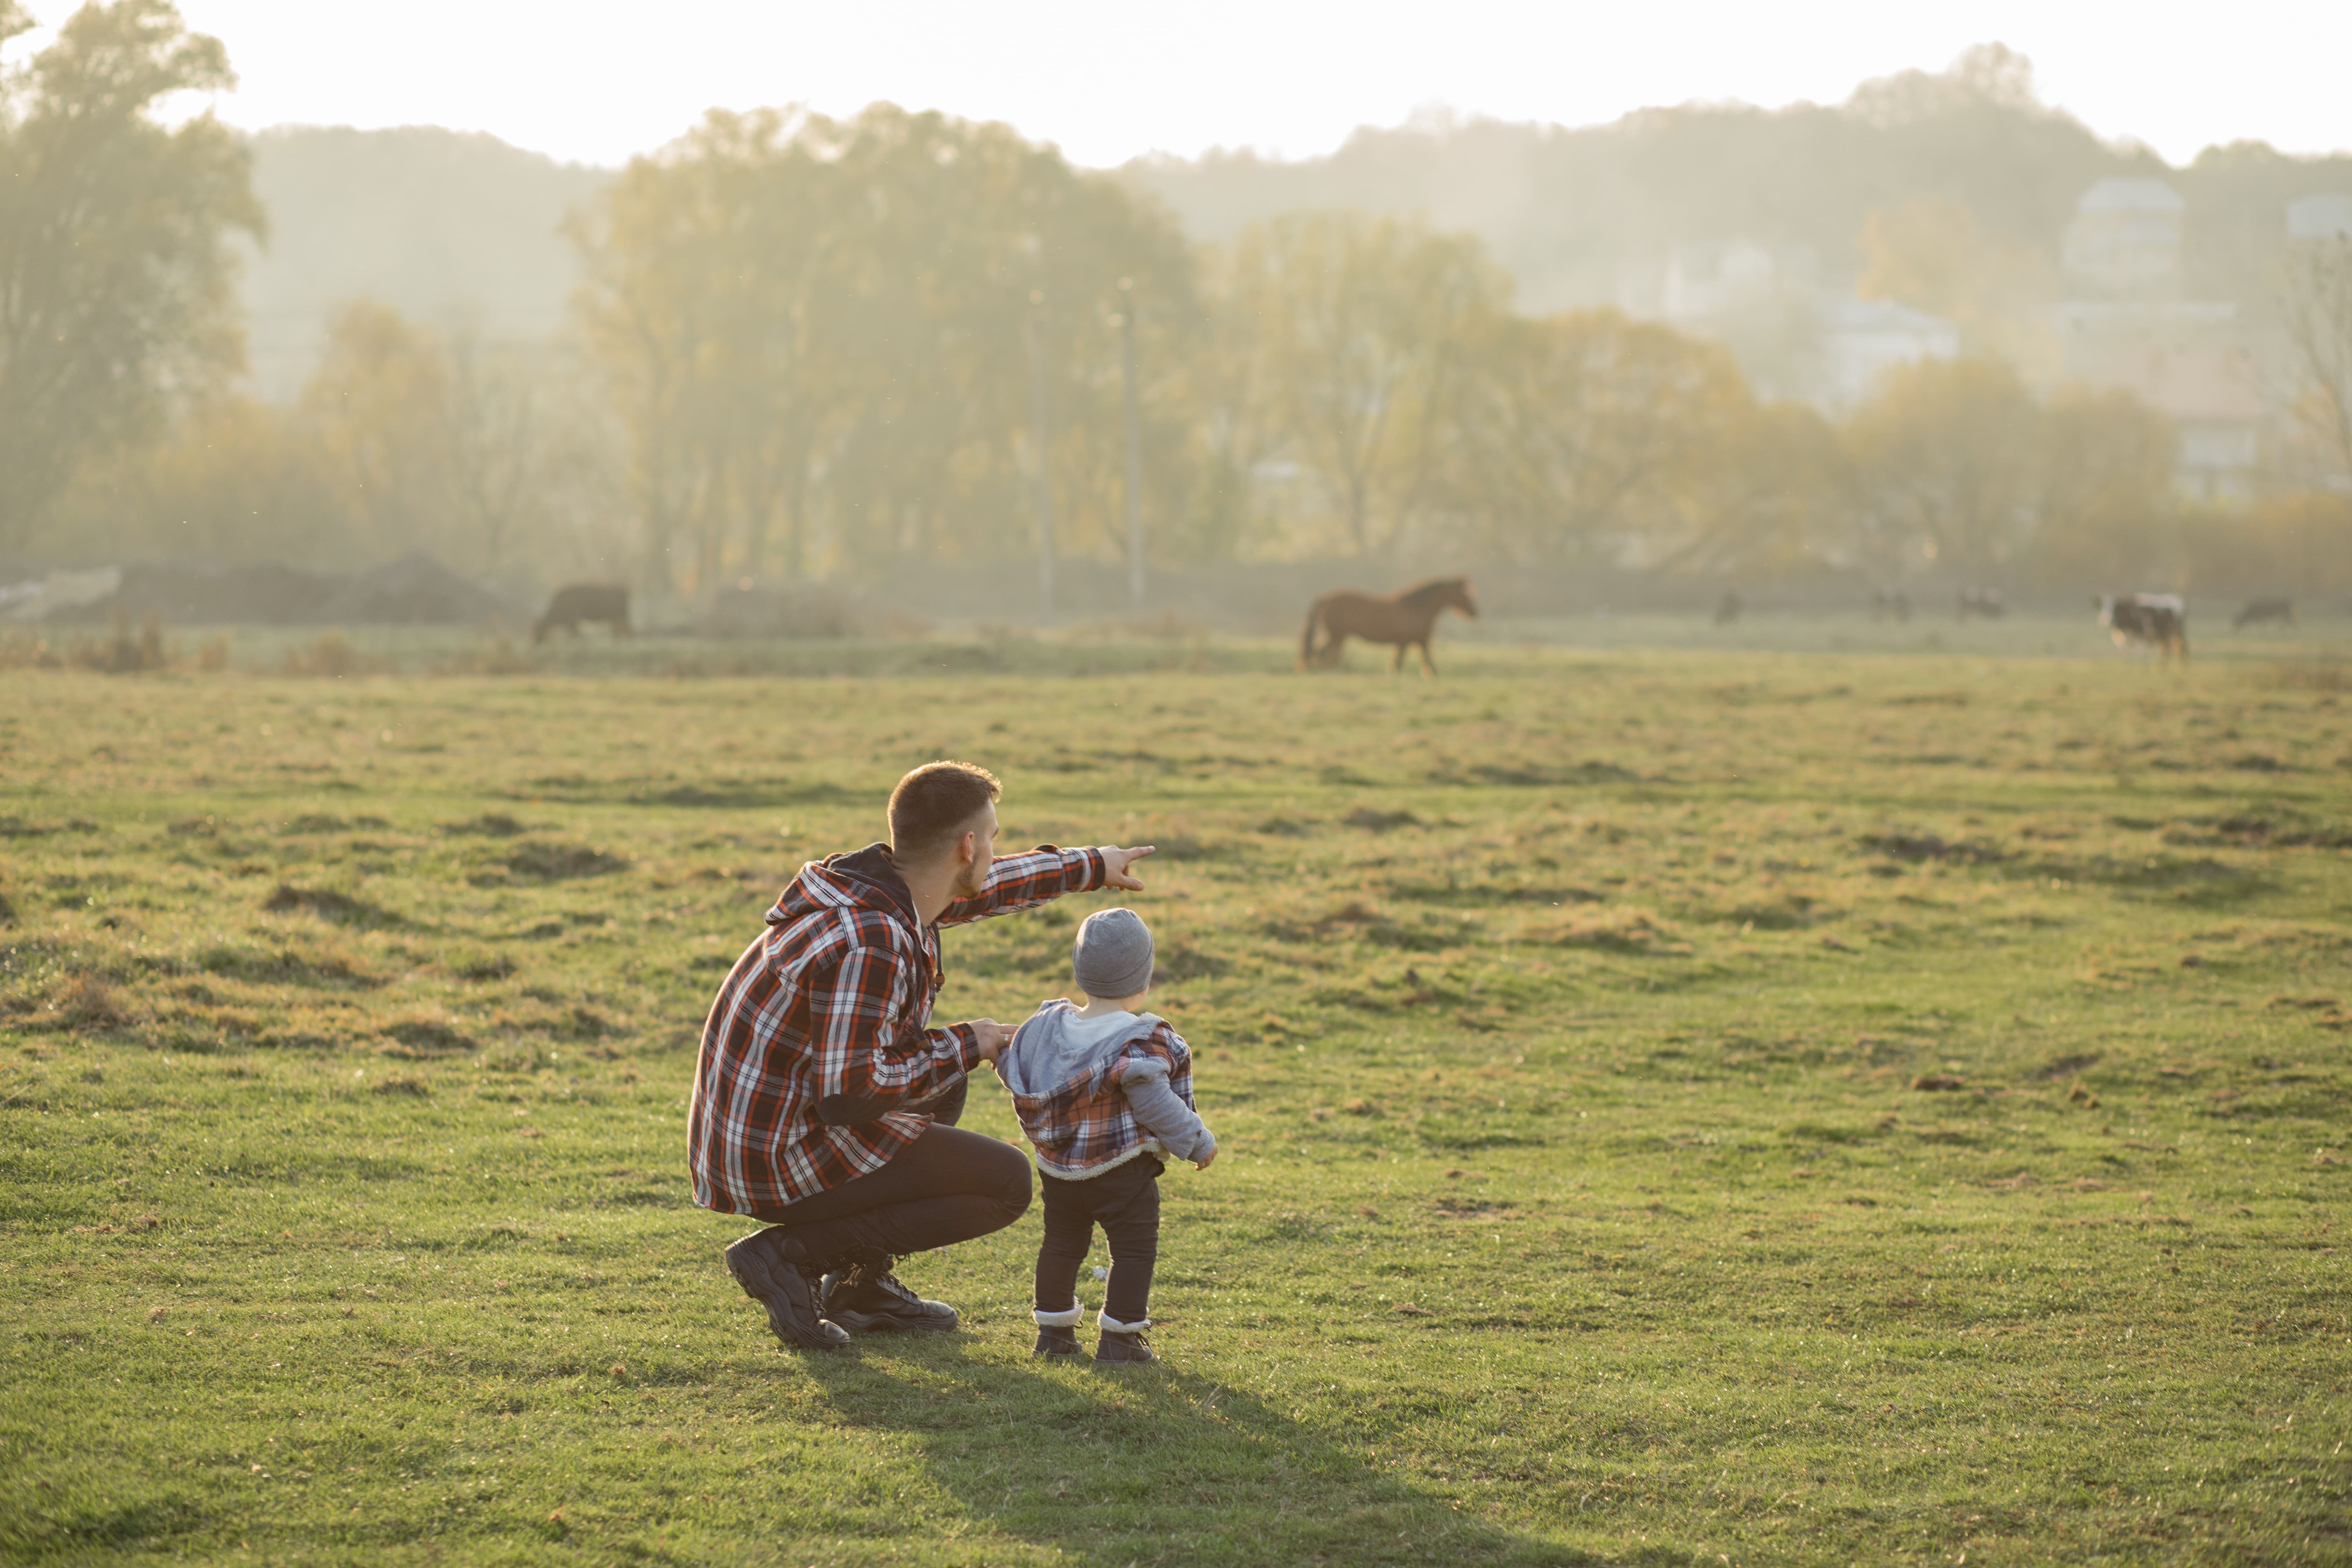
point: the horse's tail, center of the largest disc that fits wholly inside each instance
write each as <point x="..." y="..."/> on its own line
<point x="1307" y="637"/>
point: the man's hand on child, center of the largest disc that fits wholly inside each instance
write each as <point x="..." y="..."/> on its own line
<point x="1205" y="1165"/>
<point x="1118" y="860"/>
<point x="993" y="1038"/>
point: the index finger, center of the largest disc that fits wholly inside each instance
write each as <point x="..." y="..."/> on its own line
<point x="1140" y="851"/>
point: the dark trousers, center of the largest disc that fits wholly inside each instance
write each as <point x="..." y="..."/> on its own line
<point x="1124" y="1201"/>
<point x="948" y="1186"/>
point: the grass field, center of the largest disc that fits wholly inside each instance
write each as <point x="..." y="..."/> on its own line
<point x="1677" y="1108"/>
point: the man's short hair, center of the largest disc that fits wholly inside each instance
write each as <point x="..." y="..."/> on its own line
<point x="933" y="805"/>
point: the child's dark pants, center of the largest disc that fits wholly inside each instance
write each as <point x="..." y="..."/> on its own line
<point x="1123" y="1200"/>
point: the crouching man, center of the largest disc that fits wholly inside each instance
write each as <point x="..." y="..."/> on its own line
<point x="826" y="1106"/>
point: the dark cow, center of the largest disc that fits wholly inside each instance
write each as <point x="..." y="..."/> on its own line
<point x="1984" y="604"/>
<point x="1728" y="608"/>
<point x="604" y="603"/>
<point x="2277" y="607"/>
<point x="2160" y="620"/>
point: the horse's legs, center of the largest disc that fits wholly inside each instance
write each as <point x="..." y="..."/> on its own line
<point x="1333" y="650"/>
<point x="1427" y="668"/>
<point x="1396" y="665"/>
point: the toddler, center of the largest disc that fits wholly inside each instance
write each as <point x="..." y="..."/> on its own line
<point x="1104" y="1091"/>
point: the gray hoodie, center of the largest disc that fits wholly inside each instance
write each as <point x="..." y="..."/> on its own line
<point x="1083" y="1124"/>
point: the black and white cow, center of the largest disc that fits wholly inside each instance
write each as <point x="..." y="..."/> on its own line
<point x="2158" y="620"/>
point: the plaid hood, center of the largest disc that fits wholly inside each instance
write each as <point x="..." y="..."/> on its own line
<point x="1058" y="1071"/>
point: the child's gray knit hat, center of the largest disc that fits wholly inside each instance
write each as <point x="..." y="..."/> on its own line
<point x="1113" y="957"/>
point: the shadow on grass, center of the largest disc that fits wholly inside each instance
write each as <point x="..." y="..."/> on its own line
<point x="1148" y="1464"/>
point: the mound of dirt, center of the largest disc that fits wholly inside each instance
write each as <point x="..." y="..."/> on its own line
<point x="415" y="590"/>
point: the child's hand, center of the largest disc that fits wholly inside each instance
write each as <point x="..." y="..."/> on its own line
<point x="1205" y="1165"/>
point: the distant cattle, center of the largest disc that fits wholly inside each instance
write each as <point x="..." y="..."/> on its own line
<point x="2158" y="620"/>
<point x="1984" y="604"/>
<point x="1728" y="608"/>
<point x="604" y="603"/>
<point x="2277" y="607"/>
<point x="1886" y="606"/>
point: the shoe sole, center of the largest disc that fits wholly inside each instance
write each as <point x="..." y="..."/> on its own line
<point x="885" y="1323"/>
<point x="785" y="1294"/>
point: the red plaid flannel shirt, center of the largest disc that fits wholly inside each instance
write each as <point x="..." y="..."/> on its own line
<point x="817" y="1045"/>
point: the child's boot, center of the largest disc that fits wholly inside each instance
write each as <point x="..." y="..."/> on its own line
<point x="1123" y="1341"/>
<point x="1057" y="1333"/>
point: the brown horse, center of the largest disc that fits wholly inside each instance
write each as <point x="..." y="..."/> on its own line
<point x="1406" y="619"/>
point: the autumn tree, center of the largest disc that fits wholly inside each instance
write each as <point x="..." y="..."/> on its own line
<point x="2108" y="461"/>
<point x="376" y="410"/>
<point x="841" y="327"/>
<point x="117" y="272"/>
<point x="1946" y="460"/>
<point x="1587" y="435"/>
<point x="1365" y="330"/>
<point x="2318" y="318"/>
<point x="1770" y="494"/>
<point x="1929" y="253"/>
<point x="700" y="330"/>
<point x="988" y="280"/>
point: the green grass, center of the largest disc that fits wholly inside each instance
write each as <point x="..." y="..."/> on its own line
<point x="1567" y="1024"/>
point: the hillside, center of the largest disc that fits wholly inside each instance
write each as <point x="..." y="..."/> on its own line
<point x="453" y="227"/>
<point x="1567" y="210"/>
<point x="446" y="226"/>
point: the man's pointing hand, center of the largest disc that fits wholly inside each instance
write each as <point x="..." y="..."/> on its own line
<point x="1118" y="860"/>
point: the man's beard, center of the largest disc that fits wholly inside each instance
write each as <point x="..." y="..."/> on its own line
<point x="970" y="881"/>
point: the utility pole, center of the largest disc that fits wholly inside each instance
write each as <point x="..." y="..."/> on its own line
<point x="1045" y="453"/>
<point x="1134" y="449"/>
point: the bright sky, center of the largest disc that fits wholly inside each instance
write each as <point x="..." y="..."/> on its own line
<point x="595" y="80"/>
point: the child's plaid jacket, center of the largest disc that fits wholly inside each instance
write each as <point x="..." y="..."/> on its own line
<point x="1086" y="1124"/>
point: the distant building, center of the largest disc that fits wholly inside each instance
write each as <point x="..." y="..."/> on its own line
<point x="2320" y="217"/>
<point x="2126" y="323"/>
<point x="1863" y="338"/>
<point x="1706" y="282"/>
<point x="2125" y="241"/>
<point x="1794" y="334"/>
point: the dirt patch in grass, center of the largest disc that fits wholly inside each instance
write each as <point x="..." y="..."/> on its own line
<point x="340" y="908"/>
<point x="490" y="824"/>
<point x="1920" y="846"/>
<point x="427" y="1037"/>
<point x="91" y="1003"/>
<point x="554" y="862"/>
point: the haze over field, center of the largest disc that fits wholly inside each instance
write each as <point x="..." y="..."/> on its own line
<point x="788" y="345"/>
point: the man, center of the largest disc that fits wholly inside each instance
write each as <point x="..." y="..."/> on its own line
<point x="823" y="1103"/>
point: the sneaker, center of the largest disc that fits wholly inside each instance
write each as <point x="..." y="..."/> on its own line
<point x="864" y="1296"/>
<point x="1124" y="1347"/>
<point x="1059" y="1341"/>
<point x="769" y="1265"/>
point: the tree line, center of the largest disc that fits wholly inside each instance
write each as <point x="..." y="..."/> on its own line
<point x="809" y="347"/>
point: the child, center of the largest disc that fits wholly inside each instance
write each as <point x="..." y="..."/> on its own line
<point x="1103" y="1092"/>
